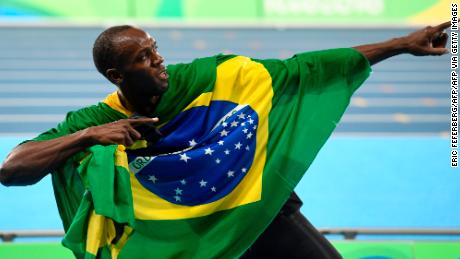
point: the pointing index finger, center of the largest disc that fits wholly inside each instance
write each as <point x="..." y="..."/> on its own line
<point x="442" y="26"/>
<point x="138" y="121"/>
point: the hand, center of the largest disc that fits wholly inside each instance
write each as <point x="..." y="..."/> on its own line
<point x="427" y="41"/>
<point x="120" y="132"/>
<point x="148" y="131"/>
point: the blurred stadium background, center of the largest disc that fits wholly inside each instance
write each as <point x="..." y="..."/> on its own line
<point x="385" y="172"/>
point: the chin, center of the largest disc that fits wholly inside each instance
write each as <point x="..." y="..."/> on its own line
<point x="163" y="88"/>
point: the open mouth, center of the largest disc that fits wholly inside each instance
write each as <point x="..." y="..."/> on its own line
<point x="164" y="75"/>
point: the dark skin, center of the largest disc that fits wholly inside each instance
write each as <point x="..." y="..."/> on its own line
<point x="141" y="76"/>
<point x="141" y="79"/>
<point x="430" y="41"/>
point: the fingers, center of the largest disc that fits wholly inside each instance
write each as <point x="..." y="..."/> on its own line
<point x="139" y="121"/>
<point x="135" y="135"/>
<point x="142" y="128"/>
<point x="121" y="132"/>
<point x="441" y="26"/>
<point x="435" y="51"/>
<point x="128" y="140"/>
<point x="440" y="41"/>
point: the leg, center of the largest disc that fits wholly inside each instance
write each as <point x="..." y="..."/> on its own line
<point x="291" y="235"/>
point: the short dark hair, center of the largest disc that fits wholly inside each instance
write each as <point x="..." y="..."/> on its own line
<point x="104" y="50"/>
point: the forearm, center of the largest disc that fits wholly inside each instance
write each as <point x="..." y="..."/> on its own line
<point x="427" y="41"/>
<point x="381" y="51"/>
<point x="31" y="161"/>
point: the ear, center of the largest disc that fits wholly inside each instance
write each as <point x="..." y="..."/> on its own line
<point x="114" y="76"/>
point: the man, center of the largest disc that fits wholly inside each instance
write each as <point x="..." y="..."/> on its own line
<point x="128" y="57"/>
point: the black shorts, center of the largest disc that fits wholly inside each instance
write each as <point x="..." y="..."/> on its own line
<point x="291" y="235"/>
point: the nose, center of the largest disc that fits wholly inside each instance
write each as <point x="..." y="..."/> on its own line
<point x="157" y="59"/>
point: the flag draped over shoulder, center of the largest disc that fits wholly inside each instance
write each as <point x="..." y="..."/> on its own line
<point x="238" y="136"/>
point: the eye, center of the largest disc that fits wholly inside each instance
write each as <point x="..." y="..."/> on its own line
<point x="143" y="56"/>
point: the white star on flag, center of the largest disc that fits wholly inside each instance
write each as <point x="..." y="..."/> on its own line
<point x="234" y="124"/>
<point x="177" y="198"/>
<point x="249" y="135"/>
<point x="208" y="151"/>
<point x="192" y="142"/>
<point x="241" y="115"/>
<point x="242" y="124"/>
<point x="244" y="169"/>
<point x="223" y="133"/>
<point x="230" y="174"/>
<point x="178" y="191"/>
<point x="153" y="178"/>
<point x="220" y="142"/>
<point x="255" y="127"/>
<point x="245" y="130"/>
<point x="184" y="157"/>
<point x="203" y="183"/>
<point x="251" y="121"/>
<point x="213" y="189"/>
<point x="227" y="152"/>
<point x="247" y="147"/>
<point x="224" y="124"/>
<point x="238" y="145"/>
<point x="217" y="161"/>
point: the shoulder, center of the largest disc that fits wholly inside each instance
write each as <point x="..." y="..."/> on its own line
<point x="93" y="115"/>
<point x="198" y="63"/>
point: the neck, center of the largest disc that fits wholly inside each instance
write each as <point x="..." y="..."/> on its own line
<point x="145" y="109"/>
<point x="125" y="102"/>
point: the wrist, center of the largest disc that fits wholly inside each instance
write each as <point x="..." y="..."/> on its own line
<point x="400" y="45"/>
<point x="86" y="137"/>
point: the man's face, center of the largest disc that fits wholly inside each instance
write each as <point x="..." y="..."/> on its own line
<point x="143" y="77"/>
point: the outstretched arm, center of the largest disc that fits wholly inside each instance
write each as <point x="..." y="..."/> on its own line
<point x="424" y="42"/>
<point x="31" y="161"/>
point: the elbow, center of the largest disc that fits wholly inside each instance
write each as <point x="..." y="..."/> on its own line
<point x="6" y="178"/>
<point x="11" y="176"/>
<point x="16" y="172"/>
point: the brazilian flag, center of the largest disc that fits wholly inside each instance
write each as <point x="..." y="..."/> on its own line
<point x="238" y="135"/>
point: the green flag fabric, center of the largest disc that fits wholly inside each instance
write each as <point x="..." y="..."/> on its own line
<point x="238" y="135"/>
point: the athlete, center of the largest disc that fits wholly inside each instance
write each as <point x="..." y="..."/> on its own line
<point x="128" y="57"/>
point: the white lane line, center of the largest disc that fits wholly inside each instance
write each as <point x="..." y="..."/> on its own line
<point x="107" y="87"/>
<point x="395" y="118"/>
<point x="409" y="134"/>
<point x="56" y="88"/>
<point x="71" y="64"/>
<point x="47" y="102"/>
<point x="7" y="118"/>
<point x="355" y="102"/>
<point x="399" y="102"/>
<point x="336" y="134"/>
<point x="400" y="88"/>
<point x="50" y="75"/>
<point x="347" y="118"/>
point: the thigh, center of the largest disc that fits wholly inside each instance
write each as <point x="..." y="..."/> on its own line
<point x="291" y="236"/>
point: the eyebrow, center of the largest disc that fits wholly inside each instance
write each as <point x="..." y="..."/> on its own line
<point x="145" y="49"/>
<point x="154" y="45"/>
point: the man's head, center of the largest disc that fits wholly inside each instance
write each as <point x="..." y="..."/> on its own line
<point x="128" y="57"/>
